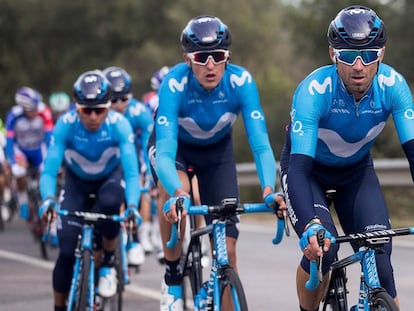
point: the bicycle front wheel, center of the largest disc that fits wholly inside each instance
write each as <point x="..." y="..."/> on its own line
<point x="232" y="296"/>
<point x="336" y="299"/>
<point x="81" y="297"/>
<point x="382" y="301"/>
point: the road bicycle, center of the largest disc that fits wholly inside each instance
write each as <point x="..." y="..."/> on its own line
<point x="34" y="222"/>
<point x="82" y="295"/>
<point x="208" y="295"/>
<point x="372" y="296"/>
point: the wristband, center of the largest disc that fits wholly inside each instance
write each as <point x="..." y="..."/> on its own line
<point x="314" y="220"/>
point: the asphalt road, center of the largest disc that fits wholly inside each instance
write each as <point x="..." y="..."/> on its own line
<point x="267" y="272"/>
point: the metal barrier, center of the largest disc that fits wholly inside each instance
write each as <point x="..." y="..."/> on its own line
<point x="391" y="172"/>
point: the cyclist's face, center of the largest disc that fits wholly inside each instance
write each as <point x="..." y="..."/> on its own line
<point x="93" y="120"/>
<point x="357" y="77"/>
<point x="208" y="75"/>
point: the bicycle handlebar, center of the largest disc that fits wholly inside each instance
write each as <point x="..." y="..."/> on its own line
<point x="227" y="209"/>
<point x="89" y="216"/>
<point x="371" y="238"/>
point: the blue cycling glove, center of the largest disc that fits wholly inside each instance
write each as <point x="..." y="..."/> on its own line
<point x="45" y="205"/>
<point x="269" y="200"/>
<point x="132" y="211"/>
<point x="172" y="200"/>
<point x="311" y="230"/>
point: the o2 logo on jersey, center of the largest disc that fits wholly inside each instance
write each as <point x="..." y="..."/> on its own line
<point x="409" y="114"/>
<point x="162" y="120"/>
<point x="297" y="127"/>
<point x="320" y="88"/>
<point x="256" y="115"/>
<point x="239" y="81"/>
<point x="175" y="86"/>
<point x="131" y="138"/>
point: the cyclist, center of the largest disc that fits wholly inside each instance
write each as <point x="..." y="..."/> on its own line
<point x="142" y="124"/>
<point x="150" y="98"/>
<point x="337" y="113"/>
<point x="3" y="177"/>
<point x="199" y="102"/>
<point x="97" y="147"/>
<point x="59" y="103"/>
<point x="29" y="126"/>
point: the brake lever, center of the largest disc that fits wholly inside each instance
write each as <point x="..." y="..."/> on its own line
<point x="286" y="221"/>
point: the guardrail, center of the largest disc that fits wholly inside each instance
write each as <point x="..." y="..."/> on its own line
<point x="391" y="172"/>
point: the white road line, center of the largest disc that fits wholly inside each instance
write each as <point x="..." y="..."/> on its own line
<point x="49" y="265"/>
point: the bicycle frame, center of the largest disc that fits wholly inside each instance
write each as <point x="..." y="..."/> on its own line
<point x="220" y="262"/>
<point x="85" y="246"/>
<point x="369" y="279"/>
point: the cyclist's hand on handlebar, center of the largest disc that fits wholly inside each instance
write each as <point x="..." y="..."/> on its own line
<point x="132" y="216"/>
<point x="170" y="210"/>
<point x="276" y="201"/>
<point x="48" y="205"/>
<point x="309" y="243"/>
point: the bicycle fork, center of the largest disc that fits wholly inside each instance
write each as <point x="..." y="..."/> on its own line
<point x="84" y="244"/>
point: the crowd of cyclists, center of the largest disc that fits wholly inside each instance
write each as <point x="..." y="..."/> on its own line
<point x="133" y="154"/>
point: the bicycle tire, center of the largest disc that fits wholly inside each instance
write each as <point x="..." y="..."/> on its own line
<point x="2" y="220"/>
<point x="382" y="301"/>
<point x="336" y="295"/>
<point x="230" y="280"/>
<point x="81" y="297"/>
<point x="192" y="269"/>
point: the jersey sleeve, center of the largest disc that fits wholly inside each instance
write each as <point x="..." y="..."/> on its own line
<point x="54" y="158"/>
<point x="129" y="162"/>
<point x="166" y="128"/>
<point x="255" y="124"/>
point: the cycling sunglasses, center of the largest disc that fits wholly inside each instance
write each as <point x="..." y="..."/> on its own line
<point x="349" y="57"/>
<point x="88" y="110"/>
<point x="117" y="99"/>
<point x="202" y="58"/>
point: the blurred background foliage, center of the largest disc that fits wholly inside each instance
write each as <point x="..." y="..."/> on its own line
<point x="47" y="44"/>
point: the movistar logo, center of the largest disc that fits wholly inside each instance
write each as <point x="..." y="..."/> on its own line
<point x="136" y="110"/>
<point x="320" y="88"/>
<point x="239" y="81"/>
<point x="91" y="167"/>
<point x="388" y="81"/>
<point x="174" y="85"/>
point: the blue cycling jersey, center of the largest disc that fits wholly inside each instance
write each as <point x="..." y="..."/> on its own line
<point x="92" y="155"/>
<point x="191" y="114"/>
<point x="331" y="127"/>
<point x="142" y="122"/>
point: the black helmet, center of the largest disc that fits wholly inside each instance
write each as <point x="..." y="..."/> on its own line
<point x="119" y="79"/>
<point x="357" y="27"/>
<point x="205" y="33"/>
<point x="92" y="89"/>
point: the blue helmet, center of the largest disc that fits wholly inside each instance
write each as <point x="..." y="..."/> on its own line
<point x="119" y="79"/>
<point x="157" y="78"/>
<point x="205" y="32"/>
<point x="92" y="89"/>
<point x="28" y="98"/>
<point x="357" y="27"/>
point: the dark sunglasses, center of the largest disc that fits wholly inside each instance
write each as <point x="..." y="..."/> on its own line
<point x="89" y="110"/>
<point x="202" y="58"/>
<point x="122" y="99"/>
<point x="349" y="57"/>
